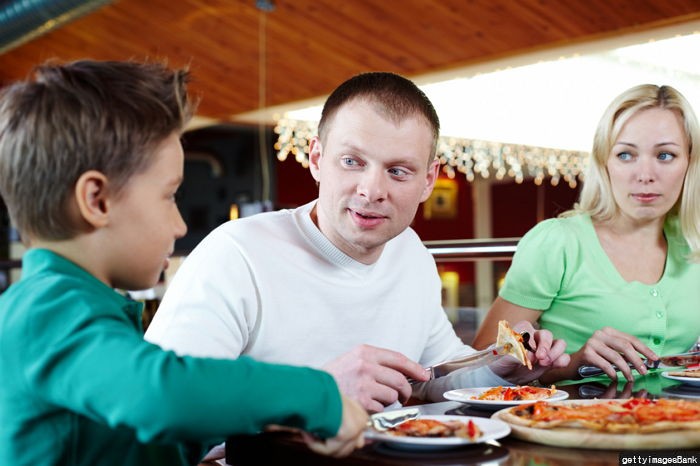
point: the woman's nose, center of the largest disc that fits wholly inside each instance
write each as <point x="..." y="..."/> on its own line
<point x="646" y="173"/>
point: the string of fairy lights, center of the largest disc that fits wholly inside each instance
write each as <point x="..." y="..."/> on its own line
<point x="472" y="158"/>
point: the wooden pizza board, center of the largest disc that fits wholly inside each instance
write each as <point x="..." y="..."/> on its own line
<point x="580" y="438"/>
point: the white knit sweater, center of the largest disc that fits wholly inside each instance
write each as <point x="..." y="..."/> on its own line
<point x="273" y="287"/>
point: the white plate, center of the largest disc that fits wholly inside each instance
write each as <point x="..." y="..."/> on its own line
<point x="695" y="381"/>
<point x="465" y="395"/>
<point x="491" y="429"/>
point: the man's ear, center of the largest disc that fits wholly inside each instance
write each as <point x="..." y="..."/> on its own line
<point x="315" y="158"/>
<point x="92" y="198"/>
<point x="430" y="179"/>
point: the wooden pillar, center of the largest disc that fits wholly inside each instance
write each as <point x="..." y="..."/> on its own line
<point x="481" y="195"/>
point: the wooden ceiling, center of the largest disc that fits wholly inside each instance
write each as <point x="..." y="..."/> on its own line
<point x="313" y="45"/>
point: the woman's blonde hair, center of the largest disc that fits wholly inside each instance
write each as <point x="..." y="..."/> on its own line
<point x="596" y="197"/>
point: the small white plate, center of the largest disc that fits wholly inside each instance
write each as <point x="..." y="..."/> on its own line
<point x="491" y="429"/>
<point x="465" y="395"/>
<point x="694" y="381"/>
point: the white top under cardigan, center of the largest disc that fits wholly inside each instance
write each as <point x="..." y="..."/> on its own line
<point x="273" y="287"/>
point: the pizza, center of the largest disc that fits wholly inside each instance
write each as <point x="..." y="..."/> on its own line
<point x="633" y="416"/>
<point x="434" y="428"/>
<point x="512" y="343"/>
<point x="518" y="393"/>
<point x="695" y="373"/>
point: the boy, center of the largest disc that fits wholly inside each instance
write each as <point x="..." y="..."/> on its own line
<point x="90" y="161"/>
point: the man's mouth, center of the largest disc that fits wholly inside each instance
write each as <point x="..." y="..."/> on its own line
<point x="367" y="219"/>
<point x="367" y="215"/>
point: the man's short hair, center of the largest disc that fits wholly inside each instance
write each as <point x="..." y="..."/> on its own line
<point x="395" y="97"/>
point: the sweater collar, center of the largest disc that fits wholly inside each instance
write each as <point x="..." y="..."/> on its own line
<point x="323" y="244"/>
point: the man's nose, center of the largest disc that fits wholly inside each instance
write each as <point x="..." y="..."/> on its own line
<point x="372" y="185"/>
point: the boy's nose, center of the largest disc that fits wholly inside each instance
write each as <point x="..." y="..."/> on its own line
<point x="180" y="226"/>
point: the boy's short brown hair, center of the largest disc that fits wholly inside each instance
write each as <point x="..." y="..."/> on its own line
<point x="86" y="115"/>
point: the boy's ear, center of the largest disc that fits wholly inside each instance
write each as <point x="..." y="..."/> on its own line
<point x="92" y="197"/>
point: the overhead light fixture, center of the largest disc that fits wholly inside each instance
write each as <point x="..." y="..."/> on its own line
<point x="534" y="121"/>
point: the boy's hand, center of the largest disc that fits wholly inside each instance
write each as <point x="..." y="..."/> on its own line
<point x="349" y="435"/>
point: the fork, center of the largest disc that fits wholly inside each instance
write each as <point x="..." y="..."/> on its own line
<point x="385" y="421"/>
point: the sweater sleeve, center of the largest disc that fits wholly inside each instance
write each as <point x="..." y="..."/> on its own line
<point x="97" y="364"/>
<point x="535" y="275"/>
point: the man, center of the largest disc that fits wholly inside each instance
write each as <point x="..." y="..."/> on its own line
<point x="341" y="283"/>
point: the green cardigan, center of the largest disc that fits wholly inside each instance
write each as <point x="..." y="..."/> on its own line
<point x="561" y="269"/>
<point x="80" y="386"/>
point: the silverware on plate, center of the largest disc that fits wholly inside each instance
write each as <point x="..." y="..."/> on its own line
<point x="386" y="420"/>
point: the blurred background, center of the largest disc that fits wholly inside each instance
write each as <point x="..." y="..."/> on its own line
<point x="519" y="86"/>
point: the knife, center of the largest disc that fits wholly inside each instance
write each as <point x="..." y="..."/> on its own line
<point x="672" y="360"/>
<point x="472" y="361"/>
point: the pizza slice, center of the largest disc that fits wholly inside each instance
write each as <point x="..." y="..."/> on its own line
<point x="434" y="428"/>
<point x="517" y="393"/>
<point x="695" y="373"/>
<point x="512" y="343"/>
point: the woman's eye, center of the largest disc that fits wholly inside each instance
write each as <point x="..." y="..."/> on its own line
<point x="665" y="156"/>
<point x="624" y="156"/>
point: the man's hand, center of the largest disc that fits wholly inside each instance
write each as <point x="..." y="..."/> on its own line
<point x="548" y="354"/>
<point x="375" y="377"/>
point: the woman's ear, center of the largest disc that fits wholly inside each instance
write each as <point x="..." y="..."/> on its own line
<point x="92" y="198"/>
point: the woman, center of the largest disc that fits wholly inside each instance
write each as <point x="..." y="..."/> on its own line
<point x="618" y="276"/>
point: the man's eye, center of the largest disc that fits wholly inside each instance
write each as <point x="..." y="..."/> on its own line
<point x="398" y="171"/>
<point x="348" y="161"/>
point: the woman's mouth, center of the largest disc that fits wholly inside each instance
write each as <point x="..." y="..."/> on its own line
<point x="646" y="197"/>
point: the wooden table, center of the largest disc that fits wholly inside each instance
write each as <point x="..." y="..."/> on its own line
<point x="283" y="449"/>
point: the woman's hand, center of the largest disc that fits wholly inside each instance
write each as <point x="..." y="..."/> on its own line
<point x="547" y="354"/>
<point x="608" y="347"/>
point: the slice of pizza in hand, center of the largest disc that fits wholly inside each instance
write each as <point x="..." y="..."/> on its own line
<point x="512" y="343"/>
